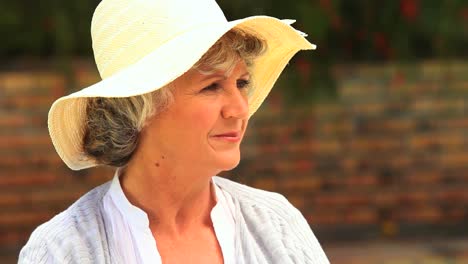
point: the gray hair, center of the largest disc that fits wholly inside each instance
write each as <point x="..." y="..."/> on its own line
<point x="113" y="125"/>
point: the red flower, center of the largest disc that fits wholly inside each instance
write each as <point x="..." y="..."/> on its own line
<point x="409" y="9"/>
<point x="464" y="14"/>
<point x="382" y="45"/>
<point x="326" y="4"/>
<point x="380" y="41"/>
<point x="304" y="68"/>
<point x="361" y="34"/>
<point x="48" y="24"/>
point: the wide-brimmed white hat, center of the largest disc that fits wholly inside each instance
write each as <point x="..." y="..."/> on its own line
<point x="142" y="45"/>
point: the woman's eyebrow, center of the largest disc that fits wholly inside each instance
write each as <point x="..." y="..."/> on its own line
<point x="212" y="76"/>
<point x="245" y="74"/>
<point x="221" y="76"/>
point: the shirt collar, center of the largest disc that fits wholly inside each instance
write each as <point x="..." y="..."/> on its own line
<point x="137" y="216"/>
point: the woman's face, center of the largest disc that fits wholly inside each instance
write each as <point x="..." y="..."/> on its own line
<point x="204" y="107"/>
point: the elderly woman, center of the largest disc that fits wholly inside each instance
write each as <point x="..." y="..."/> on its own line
<point x="179" y="85"/>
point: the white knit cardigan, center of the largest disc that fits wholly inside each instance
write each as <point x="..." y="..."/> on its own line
<point x="268" y="230"/>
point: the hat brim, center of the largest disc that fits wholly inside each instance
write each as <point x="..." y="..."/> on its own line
<point x="162" y="66"/>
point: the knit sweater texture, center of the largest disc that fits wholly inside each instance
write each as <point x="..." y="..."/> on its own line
<point x="268" y="230"/>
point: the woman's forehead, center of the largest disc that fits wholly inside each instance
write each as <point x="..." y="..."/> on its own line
<point x="196" y="76"/>
<point x="226" y="70"/>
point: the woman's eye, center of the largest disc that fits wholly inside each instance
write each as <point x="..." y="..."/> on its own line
<point x="211" y="87"/>
<point x="243" y="83"/>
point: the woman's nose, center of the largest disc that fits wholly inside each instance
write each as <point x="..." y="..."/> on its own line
<point x="237" y="105"/>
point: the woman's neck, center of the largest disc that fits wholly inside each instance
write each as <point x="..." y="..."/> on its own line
<point x="175" y="199"/>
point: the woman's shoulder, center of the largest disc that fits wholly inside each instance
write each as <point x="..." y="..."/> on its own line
<point x="74" y="234"/>
<point x="273" y="220"/>
<point x="248" y="196"/>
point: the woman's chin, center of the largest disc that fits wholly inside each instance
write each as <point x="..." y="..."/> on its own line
<point x="229" y="161"/>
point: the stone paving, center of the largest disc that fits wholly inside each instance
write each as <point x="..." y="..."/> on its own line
<point x="447" y="251"/>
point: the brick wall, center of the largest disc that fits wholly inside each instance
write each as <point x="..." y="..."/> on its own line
<point x="389" y="157"/>
<point x="34" y="183"/>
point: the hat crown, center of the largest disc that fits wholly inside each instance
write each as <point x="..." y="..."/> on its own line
<point x="125" y="31"/>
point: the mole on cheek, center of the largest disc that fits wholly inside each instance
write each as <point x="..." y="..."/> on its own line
<point x="157" y="163"/>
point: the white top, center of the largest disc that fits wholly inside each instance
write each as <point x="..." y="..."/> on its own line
<point x="268" y="230"/>
<point x="133" y="237"/>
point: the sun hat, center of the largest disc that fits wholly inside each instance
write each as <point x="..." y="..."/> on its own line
<point x="142" y="45"/>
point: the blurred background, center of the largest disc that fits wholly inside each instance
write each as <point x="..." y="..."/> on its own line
<point x="367" y="135"/>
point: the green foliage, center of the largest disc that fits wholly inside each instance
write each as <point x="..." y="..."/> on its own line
<point x="45" y="28"/>
<point x="363" y="31"/>
<point x="344" y="31"/>
<point x="368" y="30"/>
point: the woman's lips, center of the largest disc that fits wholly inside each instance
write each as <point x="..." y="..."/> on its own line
<point x="231" y="136"/>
